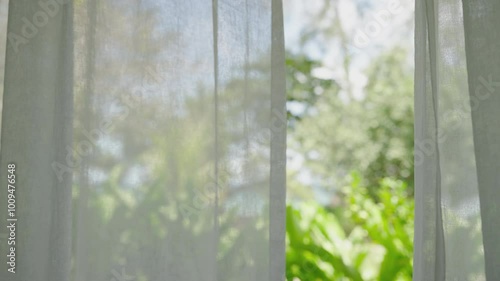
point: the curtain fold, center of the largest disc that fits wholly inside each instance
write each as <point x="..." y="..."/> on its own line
<point x="457" y="140"/>
<point x="36" y="128"/>
<point x="148" y="139"/>
<point x="482" y="42"/>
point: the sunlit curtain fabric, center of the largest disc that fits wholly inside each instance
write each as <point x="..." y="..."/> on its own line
<point x="457" y="140"/>
<point x="148" y="139"/>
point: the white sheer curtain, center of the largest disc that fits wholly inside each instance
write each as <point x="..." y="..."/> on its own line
<point x="148" y="139"/>
<point x="457" y="140"/>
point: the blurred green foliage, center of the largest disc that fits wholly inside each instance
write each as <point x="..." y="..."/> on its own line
<point x="365" y="230"/>
<point x="374" y="244"/>
<point x="372" y="134"/>
<point x="362" y="229"/>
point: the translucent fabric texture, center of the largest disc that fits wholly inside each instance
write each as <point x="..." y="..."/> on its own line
<point x="148" y="139"/>
<point x="457" y="140"/>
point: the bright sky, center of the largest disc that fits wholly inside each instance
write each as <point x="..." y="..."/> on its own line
<point x="372" y="26"/>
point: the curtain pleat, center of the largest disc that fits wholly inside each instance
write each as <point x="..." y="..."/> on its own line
<point x="149" y="140"/>
<point x="278" y="145"/>
<point x="482" y="45"/>
<point x="36" y="129"/>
